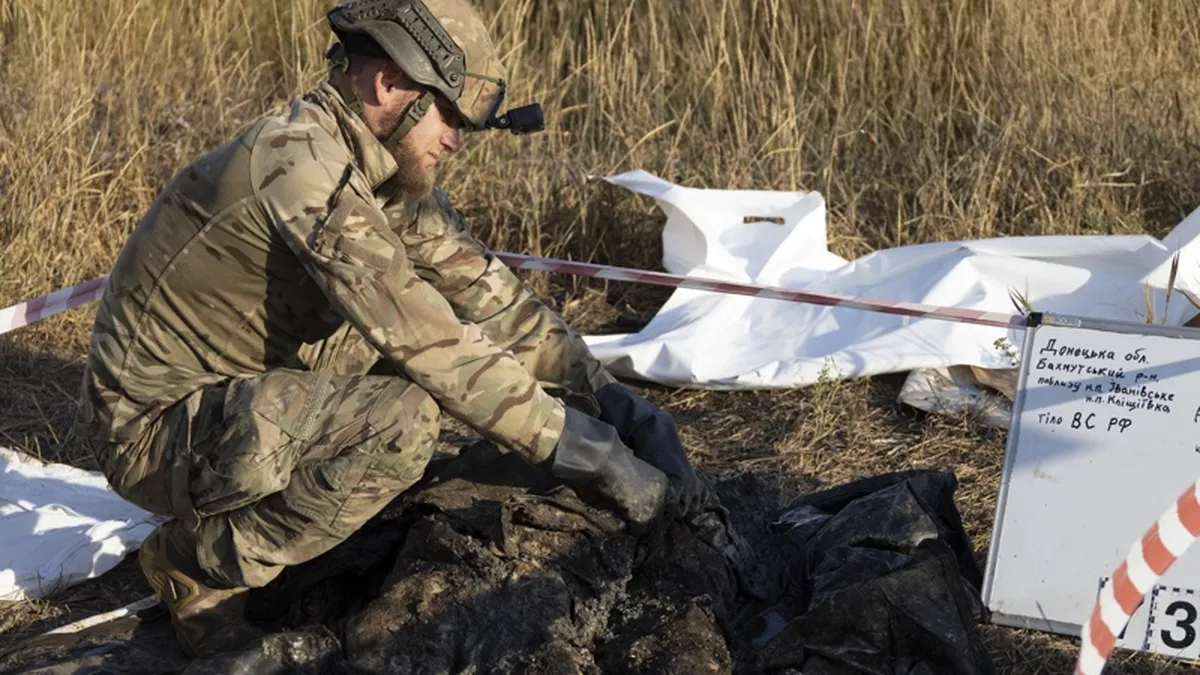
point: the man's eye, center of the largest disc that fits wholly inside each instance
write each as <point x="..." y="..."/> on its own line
<point x="450" y="115"/>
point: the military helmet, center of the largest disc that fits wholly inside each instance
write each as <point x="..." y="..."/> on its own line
<point x="442" y="45"/>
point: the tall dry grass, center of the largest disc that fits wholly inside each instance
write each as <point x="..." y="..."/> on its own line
<point x="919" y="120"/>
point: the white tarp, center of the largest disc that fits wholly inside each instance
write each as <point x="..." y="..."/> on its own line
<point x="60" y="525"/>
<point x="709" y="340"/>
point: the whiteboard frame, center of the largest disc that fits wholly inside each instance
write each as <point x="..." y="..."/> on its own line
<point x="1032" y="323"/>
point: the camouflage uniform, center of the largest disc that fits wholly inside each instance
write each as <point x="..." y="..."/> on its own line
<point x="280" y="334"/>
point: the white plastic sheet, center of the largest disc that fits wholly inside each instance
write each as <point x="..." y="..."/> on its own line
<point x="60" y="525"/>
<point x="715" y="341"/>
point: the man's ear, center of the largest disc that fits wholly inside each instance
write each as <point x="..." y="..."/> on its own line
<point x="382" y="85"/>
<point x="390" y="78"/>
<point x="392" y="86"/>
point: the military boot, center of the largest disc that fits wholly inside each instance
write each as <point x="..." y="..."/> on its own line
<point x="206" y="619"/>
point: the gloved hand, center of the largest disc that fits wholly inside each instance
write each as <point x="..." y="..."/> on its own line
<point x="651" y="432"/>
<point x="591" y="458"/>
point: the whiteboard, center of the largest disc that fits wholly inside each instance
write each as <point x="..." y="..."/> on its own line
<point x="1105" y="436"/>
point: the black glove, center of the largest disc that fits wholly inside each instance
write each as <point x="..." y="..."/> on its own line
<point x="650" y="431"/>
<point x="591" y="458"/>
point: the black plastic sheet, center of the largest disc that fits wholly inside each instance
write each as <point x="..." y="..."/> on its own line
<point x="886" y="583"/>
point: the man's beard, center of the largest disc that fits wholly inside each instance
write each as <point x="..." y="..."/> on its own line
<point x="414" y="181"/>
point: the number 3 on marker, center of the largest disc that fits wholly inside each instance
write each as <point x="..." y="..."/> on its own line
<point x="1176" y="612"/>
<point x="1188" y="611"/>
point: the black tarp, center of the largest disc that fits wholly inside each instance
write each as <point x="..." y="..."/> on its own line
<point x="886" y="582"/>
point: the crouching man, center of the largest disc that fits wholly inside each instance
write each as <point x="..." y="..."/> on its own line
<point x="284" y="329"/>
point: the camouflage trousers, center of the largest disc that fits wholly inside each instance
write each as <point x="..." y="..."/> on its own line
<point x="274" y="470"/>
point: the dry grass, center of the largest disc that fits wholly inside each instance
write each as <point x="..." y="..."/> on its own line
<point x="919" y="120"/>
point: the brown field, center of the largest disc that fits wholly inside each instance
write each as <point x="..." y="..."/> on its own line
<point x="918" y="120"/>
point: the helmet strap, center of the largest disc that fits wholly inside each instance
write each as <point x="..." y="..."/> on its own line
<point x="412" y="115"/>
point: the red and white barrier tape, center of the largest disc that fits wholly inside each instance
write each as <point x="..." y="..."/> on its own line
<point x="1151" y="556"/>
<point x="37" y="309"/>
<point x="957" y="314"/>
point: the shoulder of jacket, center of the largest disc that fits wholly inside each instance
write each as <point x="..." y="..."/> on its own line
<point x="442" y="199"/>
<point x="296" y="149"/>
<point x="437" y="203"/>
<point x="434" y="212"/>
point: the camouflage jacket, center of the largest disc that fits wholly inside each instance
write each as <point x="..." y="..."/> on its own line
<point x="274" y="240"/>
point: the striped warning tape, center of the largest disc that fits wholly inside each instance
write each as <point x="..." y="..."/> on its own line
<point x="37" y="309"/>
<point x="1148" y="560"/>
<point x="913" y="309"/>
<point x="31" y="311"/>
